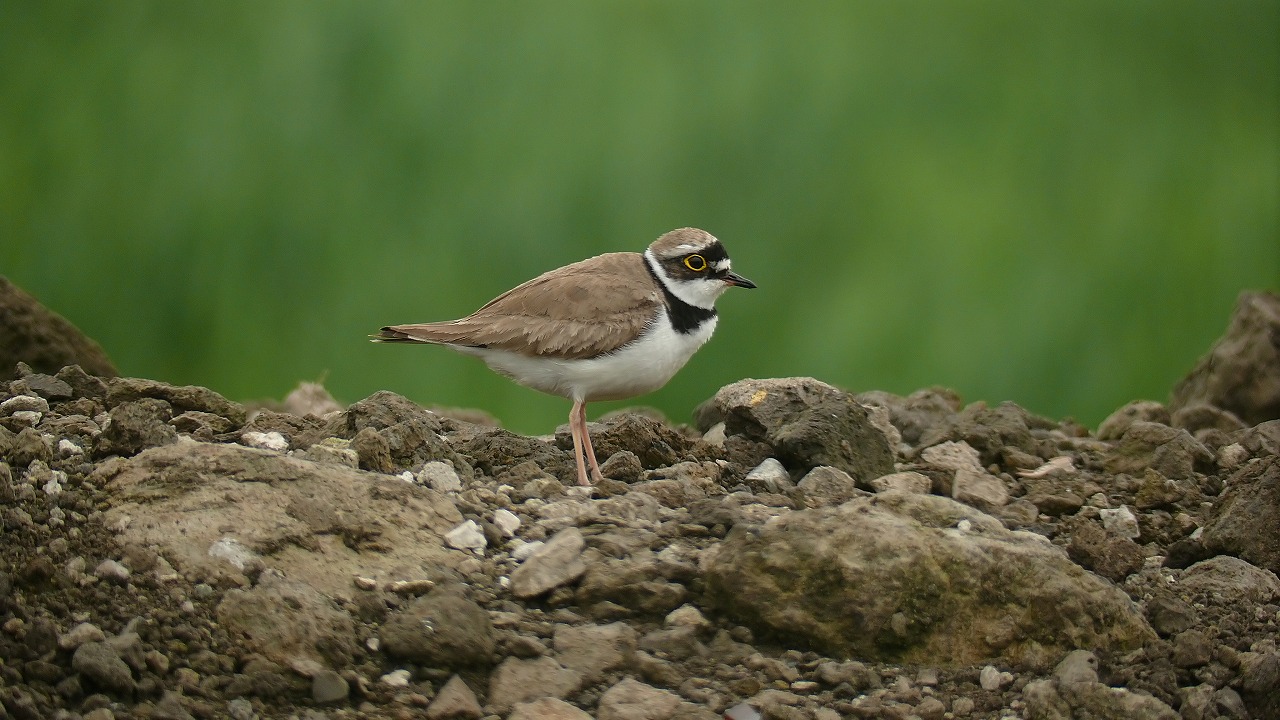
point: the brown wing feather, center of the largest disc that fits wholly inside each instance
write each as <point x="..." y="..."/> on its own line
<point x="544" y="316"/>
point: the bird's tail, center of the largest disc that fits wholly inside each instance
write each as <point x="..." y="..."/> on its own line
<point x="392" y="335"/>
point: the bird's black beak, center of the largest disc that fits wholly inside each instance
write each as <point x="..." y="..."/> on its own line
<point x="734" y="278"/>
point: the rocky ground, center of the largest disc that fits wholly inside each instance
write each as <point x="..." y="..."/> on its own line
<point x="802" y="553"/>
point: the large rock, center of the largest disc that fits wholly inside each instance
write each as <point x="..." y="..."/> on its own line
<point x="182" y="398"/>
<point x="807" y="422"/>
<point x="1074" y="691"/>
<point x="291" y="623"/>
<point x="1241" y="373"/>
<point x="557" y="562"/>
<point x="989" y="430"/>
<point x="634" y="700"/>
<point x="1228" y="581"/>
<point x="31" y="333"/>
<point x="909" y="578"/>
<point x="1247" y="514"/>
<point x="518" y="681"/>
<point x="101" y="664"/>
<point x="409" y="433"/>
<point x="224" y="510"/>
<point x="443" y="630"/>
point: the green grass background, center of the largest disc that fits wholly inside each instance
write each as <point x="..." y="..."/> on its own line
<point x="1050" y="203"/>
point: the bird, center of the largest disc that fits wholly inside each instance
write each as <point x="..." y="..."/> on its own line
<point x="610" y="327"/>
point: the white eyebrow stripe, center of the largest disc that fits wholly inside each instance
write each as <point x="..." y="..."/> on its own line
<point x="686" y="247"/>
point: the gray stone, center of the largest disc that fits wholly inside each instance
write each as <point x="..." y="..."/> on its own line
<point x="328" y="687"/>
<point x="593" y="650"/>
<point x="807" y="422"/>
<point x="518" y="681"/>
<point x="289" y="622"/>
<point x="547" y="709"/>
<point x="557" y="562"/>
<point x="638" y="582"/>
<point x="894" y="577"/>
<point x="654" y="443"/>
<point x="1227" y="581"/>
<point x="989" y="430"/>
<point x="1169" y="614"/>
<point x="1044" y="702"/>
<point x="1112" y="557"/>
<point x="441" y="629"/>
<point x="177" y="397"/>
<point x="634" y="700"/>
<point x="979" y="489"/>
<point x="455" y="701"/>
<point x="135" y="426"/>
<point x="317" y="523"/>
<point x="1118" y="422"/>
<point x="43" y="339"/>
<point x="826" y="486"/>
<point x="769" y="476"/>
<point x="1246" y="516"/>
<point x="679" y="643"/>
<point x="1172" y="452"/>
<point x="1191" y="649"/>
<point x="1260" y="682"/>
<point x="1241" y="373"/>
<point x="100" y="663"/>
<point x="903" y="481"/>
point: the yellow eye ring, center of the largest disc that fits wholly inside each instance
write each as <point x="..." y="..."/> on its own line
<point x="696" y="263"/>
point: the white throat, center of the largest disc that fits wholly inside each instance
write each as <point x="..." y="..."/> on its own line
<point x="700" y="292"/>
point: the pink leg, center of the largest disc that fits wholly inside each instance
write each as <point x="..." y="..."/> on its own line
<point x="578" y="431"/>
<point x="586" y="442"/>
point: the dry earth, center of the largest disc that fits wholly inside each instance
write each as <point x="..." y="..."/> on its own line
<point x="801" y="553"/>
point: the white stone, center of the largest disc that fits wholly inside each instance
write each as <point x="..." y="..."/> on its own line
<point x="29" y="418"/>
<point x="979" y="489"/>
<point x="771" y="474"/>
<point x="231" y="550"/>
<point x="467" y="536"/>
<point x="24" y="403"/>
<point x="111" y="570"/>
<point x="265" y="440"/>
<point x="715" y="435"/>
<point x="952" y="455"/>
<point x="1232" y="456"/>
<point x="439" y="476"/>
<point x="66" y="448"/>
<point x="522" y="551"/>
<point x="992" y="679"/>
<point x="906" y="481"/>
<point x="686" y="616"/>
<point x="506" y="521"/>
<point x="396" y="678"/>
<point x="1120" y="521"/>
<point x="54" y="486"/>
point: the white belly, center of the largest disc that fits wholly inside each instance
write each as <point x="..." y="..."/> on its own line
<point x="641" y="367"/>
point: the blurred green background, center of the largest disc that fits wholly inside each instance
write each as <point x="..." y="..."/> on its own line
<point x="1050" y="203"/>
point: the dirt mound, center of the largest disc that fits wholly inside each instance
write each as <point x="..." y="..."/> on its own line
<point x="803" y="554"/>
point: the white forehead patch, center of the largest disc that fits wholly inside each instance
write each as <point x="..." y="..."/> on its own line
<point x="721" y="265"/>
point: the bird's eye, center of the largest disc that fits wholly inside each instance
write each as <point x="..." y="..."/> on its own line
<point x="696" y="263"/>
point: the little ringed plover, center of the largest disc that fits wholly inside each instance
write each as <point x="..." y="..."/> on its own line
<point x="607" y="328"/>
